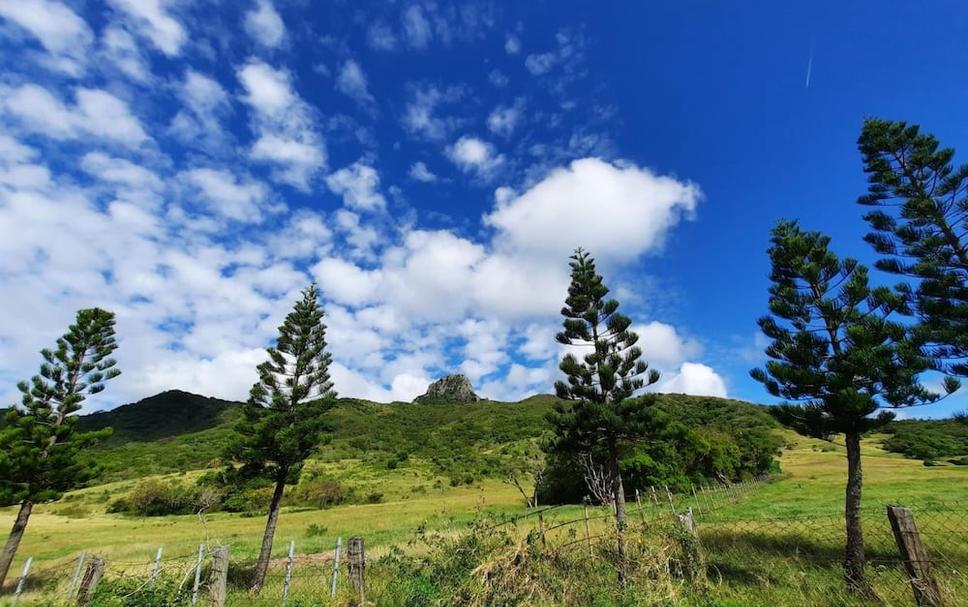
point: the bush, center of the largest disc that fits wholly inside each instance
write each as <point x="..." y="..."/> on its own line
<point x="320" y="493"/>
<point x="314" y="530"/>
<point x="374" y="498"/>
<point x="153" y="497"/>
<point x="133" y="592"/>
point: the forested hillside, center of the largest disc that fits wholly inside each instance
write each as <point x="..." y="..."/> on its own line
<point x="176" y="431"/>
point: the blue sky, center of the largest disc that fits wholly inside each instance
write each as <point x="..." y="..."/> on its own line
<point x="191" y="165"/>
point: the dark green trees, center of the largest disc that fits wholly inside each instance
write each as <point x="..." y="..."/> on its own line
<point x="602" y="419"/>
<point x="284" y="418"/>
<point x="38" y="445"/>
<point x="835" y="349"/>
<point x="920" y="227"/>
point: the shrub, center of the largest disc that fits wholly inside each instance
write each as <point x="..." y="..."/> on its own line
<point x="321" y="493"/>
<point x="374" y="498"/>
<point x="314" y="530"/>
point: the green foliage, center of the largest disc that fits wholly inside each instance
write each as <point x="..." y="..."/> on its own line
<point x="920" y="228"/>
<point x="697" y="440"/>
<point x="834" y="346"/>
<point x="602" y="420"/>
<point x="165" y="591"/>
<point x="153" y="497"/>
<point x="38" y="443"/>
<point x="284" y="418"/>
<point x="928" y="439"/>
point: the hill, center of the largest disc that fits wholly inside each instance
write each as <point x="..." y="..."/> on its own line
<point x="177" y="431"/>
<point x="931" y="440"/>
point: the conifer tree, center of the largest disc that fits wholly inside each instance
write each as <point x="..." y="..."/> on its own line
<point x="602" y="419"/>
<point x="837" y="351"/>
<point x="920" y="227"/>
<point x="284" y="418"/>
<point x="38" y="445"/>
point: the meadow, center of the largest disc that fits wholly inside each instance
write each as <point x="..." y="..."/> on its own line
<point x="776" y="544"/>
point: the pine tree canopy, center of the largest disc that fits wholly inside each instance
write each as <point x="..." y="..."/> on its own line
<point x="834" y="345"/>
<point x="602" y="381"/>
<point x="38" y="445"/>
<point x="284" y="418"/>
<point x="920" y="227"/>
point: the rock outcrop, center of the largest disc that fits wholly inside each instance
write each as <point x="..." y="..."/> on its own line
<point x="452" y="389"/>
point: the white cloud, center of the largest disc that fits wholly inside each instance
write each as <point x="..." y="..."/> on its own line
<point x="696" y="379"/>
<point x="351" y="81"/>
<point x="416" y="27"/>
<point x="120" y="171"/>
<point x="512" y="44"/>
<point x="284" y="123"/>
<point x="504" y="119"/>
<point x="663" y="348"/>
<point x="358" y="184"/>
<point x="227" y="194"/>
<point x="471" y="154"/>
<point x="540" y="63"/>
<point x="198" y="123"/>
<point x="152" y="19"/>
<point x="615" y="211"/>
<point x="420" y="172"/>
<point x="498" y="78"/>
<point x="345" y="283"/>
<point x="119" y="48"/>
<point x="63" y="34"/>
<point x="95" y="112"/>
<point x="380" y="37"/>
<point x="421" y="117"/>
<point x="265" y="25"/>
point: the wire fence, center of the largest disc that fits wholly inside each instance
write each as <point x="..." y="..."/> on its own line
<point x="792" y="560"/>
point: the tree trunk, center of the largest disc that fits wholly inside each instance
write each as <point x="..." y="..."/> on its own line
<point x="854" y="559"/>
<point x="13" y="541"/>
<point x="618" y="499"/>
<point x="262" y="565"/>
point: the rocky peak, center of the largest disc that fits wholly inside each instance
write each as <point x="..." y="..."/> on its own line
<point x="451" y="388"/>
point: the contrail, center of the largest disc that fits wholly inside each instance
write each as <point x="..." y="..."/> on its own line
<point x="809" y="67"/>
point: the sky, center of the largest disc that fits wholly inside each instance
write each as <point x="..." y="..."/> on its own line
<point x="191" y="165"/>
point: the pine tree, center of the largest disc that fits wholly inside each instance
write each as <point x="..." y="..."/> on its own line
<point x="38" y="446"/>
<point x="920" y="227"/>
<point x="602" y="419"/>
<point x="836" y="350"/>
<point x="285" y="417"/>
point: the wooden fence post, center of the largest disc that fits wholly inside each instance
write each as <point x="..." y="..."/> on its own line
<point x="339" y="545"/>
<point x="77" y="574"/>
<point x="695" y="496"/>
<point x="23" y="578"/>
<point x="541" y="530"/>
<point x="156" y="567"/>
<point x="356" y="561"/>
<point x="671" y="503"/>
<point x="641" y="510"/>
<point x="288" y="579"/>
<point x="198" y="572"/>
<point x="218" y="578"/>
<point x="588" y="536"/>
<point x="92" y="575"/>
<point x="915" y="555"/>
<point x="688" y="521"/>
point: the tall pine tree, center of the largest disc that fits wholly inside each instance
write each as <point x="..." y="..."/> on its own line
<point x="602" y="419"/>
<point x="835" y="349"/>
<point x="920" y="227"/>
<point x="284" y="418"/>
<point x="38" y="446"/>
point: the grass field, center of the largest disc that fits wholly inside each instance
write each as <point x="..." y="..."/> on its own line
<point x="806" y="499"/>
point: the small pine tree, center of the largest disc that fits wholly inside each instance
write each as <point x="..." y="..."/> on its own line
<point x="38" y="446"/>
<point x="835" y="349"/>
<point x="284" y="418"/>
<point x="601" y="420"/>
<point x="920" y="227"/>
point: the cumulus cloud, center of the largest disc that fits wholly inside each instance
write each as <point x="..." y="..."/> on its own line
<point x="152" y="19"/>
<point x="119" y="48"/>
<point x="475" y="155"/>
<point x="358" y="184"/>
<point x="228" y="195"/>
<point x="421" y="173"/>
<point x="64" y="35"/>
<point x="512" y="44"/>
<point x="694" y="378"/>
<point x="198" y="122"/>
<point x="416" y="26"/>
<point x="615" y="211"/>
<point x="422" y="118"/>
<point x="95" y="113"/>
<point x="287" y="137"/>
<point x="380" y="37"/>
<point x="504" y="118"/>
<point x="264" y="24"/>
<point x="351" y="81"/>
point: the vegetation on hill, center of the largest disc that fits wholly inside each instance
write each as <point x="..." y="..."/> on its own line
<point x="932" y="440"/>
